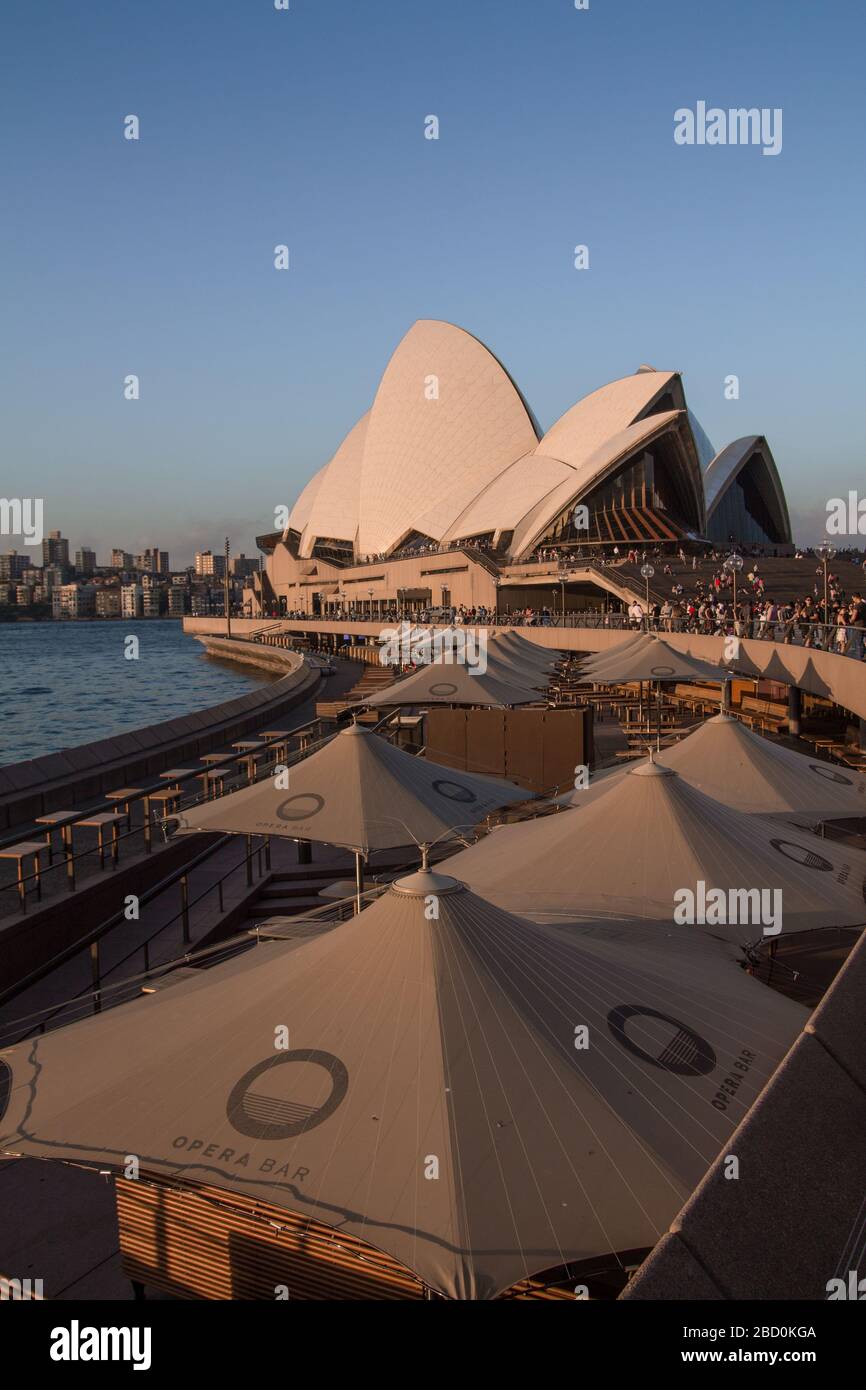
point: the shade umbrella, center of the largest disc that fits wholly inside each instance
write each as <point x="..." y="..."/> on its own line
<point x="453" y="683"/>
<point x="480" y="1097"/>
<point x="529" y="652"/>
<point x="637" y="642"/>
<point x="657" y="661"/>
<point x="358" y="791"/>
<point x="654" y="660"/>
<point x="743" y="769"/>
<point x="750" y="773"/>
<point x="641" y="839"/>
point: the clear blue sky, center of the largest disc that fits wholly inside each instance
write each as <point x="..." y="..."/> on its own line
<point x="306" y="127"/>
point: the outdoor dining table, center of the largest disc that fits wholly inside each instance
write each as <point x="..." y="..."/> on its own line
<point x="278" y="740"/>
<point x="168" y="798"/>
<point x="62" y="821"/>
<point x="19" y="853"/>
<point x="212" y="781"/>
<point x="175" y="774"/>
<point x="250" y="747"/>
<point x="124" y="796"/>
<point x="100" y="822"/>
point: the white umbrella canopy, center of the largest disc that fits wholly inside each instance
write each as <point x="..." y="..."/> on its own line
<point x="530" y="653"/>
<point x="454" y="683"/>
<point x="361" y="792"/>
<point x="481" y="1097"/>
<point x="655" y="660"/>
<point x="753" y="774"/>
<point x="637" y="642"/>
<point x="642" y="839"/>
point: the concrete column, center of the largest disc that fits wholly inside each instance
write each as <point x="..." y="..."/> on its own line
<point x="794" y="710"/>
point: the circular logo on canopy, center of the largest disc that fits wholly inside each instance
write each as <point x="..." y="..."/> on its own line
<point x="300" y="807"/>
<point x="308" y="1087"/>
<point x="800" y="855"/>
<point x="831" y="774"/>
<point x="676" y="1048"/>
<point x="661" y="670"/>
<point x="443" y="688"/>
<point x="454" y="791"/>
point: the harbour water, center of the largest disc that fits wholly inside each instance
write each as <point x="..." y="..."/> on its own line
<point x="62" y="684"/>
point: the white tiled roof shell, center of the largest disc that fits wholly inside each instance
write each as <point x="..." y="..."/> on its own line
<point x="425" y="460"/>
<point x="300" y="512"/>
<point x="586" y="472"/>
<point x="603" y="413"/>
<point x="334" y="513"/>
<point x="510" y="496"/>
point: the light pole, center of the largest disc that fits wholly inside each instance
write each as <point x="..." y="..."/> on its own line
<point x="562" y="575"/>
<point x="647" y="571"/>
<point x="370" y="592"/>
<point x="733" y="564"/>
<point x="227" y="592"/>
<point x="827" y="552"/>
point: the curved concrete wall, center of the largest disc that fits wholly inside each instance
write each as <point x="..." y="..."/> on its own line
<point x="60" y="780"/>
<point x="837" y="678"/>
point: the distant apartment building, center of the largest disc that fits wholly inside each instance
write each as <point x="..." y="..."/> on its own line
<point x="13" y="566"/>
<point x="25" y="595"/>
<point x="85" y="560"/>
<point x="55" y="550"/>
<point x="108" y="603"/>
<point x="130" y="600"/>
<point x="52" y="576"/>
<point x="206" y="602"/>
<point x="151" y="597"/>
<point x="209" y="566"/>
<point x="242" y="568"/>
<point x="73" y="601"/>
<point x="178" y="601"/>
<point x="121" y="560"/>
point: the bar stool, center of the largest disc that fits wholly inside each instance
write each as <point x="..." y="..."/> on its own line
<point x="19" y="853"/>
<point x="99" y="822"/>
<point x="125" y="795"/>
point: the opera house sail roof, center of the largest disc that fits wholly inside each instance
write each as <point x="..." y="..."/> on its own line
<point x="449" y="454"/>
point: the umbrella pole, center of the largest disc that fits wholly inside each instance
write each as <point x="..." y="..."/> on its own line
<point x="358" y="882"/>
<point x="658" y="716"/>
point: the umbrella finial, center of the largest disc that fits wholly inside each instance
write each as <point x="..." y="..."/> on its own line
<point x="425" y="856"/>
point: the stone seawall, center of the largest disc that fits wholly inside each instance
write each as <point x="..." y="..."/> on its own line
<point x="65" y="780"/>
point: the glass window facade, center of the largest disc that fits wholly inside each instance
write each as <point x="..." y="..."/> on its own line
<point x="747" y="511"/>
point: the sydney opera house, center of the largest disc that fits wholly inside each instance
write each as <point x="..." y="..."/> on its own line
<point x="450" y="461"/>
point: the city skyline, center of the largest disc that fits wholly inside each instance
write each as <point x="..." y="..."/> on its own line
<point x="250" y="376"/>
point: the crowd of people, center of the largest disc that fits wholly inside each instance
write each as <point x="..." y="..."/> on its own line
<point x="693" y="592"/>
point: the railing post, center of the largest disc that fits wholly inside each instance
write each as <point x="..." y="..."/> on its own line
<point x="184" y="906"/>
<point x="95" y="977"/>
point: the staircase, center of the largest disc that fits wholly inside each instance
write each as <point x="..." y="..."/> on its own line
<point x="372" y="680"/>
